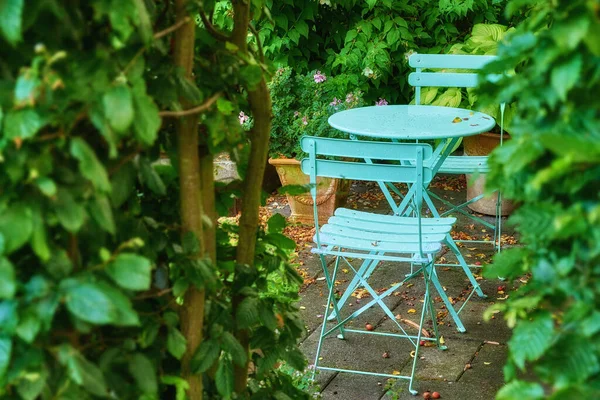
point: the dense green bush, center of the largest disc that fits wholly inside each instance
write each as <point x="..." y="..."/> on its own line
<point x="303" y="103"/>
<point x="111" y="257"/>
<point x="552" y="167"/>
<point x="369" y="39"/>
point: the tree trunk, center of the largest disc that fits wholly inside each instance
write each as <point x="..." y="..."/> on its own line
<point x="260" y="105"/>
<point x="192" y="312"/>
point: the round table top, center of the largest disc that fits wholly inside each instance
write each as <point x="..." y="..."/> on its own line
<point x="411" y="122"/>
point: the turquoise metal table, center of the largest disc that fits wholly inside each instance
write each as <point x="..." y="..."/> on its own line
<point x="414" y="123"/>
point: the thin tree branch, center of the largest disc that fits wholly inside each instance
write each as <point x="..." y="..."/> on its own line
<point x="211" y="28"/>
<point x="261" y="53"/>
<point x="172" y="28"/>
<point x="195" y="110"/>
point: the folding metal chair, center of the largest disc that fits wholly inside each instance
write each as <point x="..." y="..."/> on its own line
<point x="376" y="237"/>
<point x="464" y="75"/>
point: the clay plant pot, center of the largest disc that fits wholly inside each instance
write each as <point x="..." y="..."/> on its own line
<point x="331" y="193"/>
<point x="482" y="145"/>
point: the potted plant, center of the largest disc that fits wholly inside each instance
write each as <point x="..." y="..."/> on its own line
<point x="301" y="106"/>
<point x="484" y="40"/>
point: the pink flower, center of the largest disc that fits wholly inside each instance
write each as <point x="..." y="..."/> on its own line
<point x="381" y="102"/>
<point x="304" y="120"/>
<point x="296" y="113"/>
<point x="335" y="102"/>
<point x="243" y="118"/>
<point x="319" y="77"/>
<point x="350" y="98"/>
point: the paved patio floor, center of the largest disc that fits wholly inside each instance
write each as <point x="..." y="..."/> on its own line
<point x="471" y="368"/>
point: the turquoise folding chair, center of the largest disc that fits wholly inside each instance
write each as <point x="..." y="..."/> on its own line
<point x="465" y="77"/>
<point x="375" y="237"/>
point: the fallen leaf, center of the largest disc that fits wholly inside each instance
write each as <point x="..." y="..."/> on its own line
<point x="487" y="363"/>
<point x="412" y="311"/>
<point x="456" y="120"/>
<point x="395" y="372"/>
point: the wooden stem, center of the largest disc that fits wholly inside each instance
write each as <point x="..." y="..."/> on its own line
<point x="260" y="105"/>
<point x="194" y="110"/>
<point x="192" y="312"/>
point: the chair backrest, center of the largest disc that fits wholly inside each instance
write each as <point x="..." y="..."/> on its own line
<point x="467" y="79"/>
<point x="413" y="168"/>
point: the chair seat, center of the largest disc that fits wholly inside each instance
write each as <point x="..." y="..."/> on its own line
<point x="359" y="230"/>
<point x="464" y="165"/>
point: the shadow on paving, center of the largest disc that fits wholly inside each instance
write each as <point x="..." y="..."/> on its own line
<point x="471" y="368"/>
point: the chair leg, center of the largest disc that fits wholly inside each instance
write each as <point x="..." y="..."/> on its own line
<point x="463" y="264"/>
<point x="329" y="301"/>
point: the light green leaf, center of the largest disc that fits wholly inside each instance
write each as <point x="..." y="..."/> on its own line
<point x="8" y="284"/>
<point x="176" y="343"/>
<point x="23" y="124"/>
<point x="16" y="226"/>
<point x="11" y="12"/>
<point x="231" y="345"/>
<point x="101" y="211"/>
<point x="118" y="107"/>
<point x="31" y="385"/>
<point x="247" y="313"/>
<point x="89" y="165"/>
<point x="88" y="302"/>
<point x="530" y="339"/>
<point x="39" y="239"/>
<point x="251" y="75"/>
<point x="70" y="214"/>
<point x="181" y="385"/>
<point x="5" y="353"/>
<point x="87" y="374"/>
<point x="125" y="315"/>
<point x="29" y="326"/>
<point x="224" y="378"/>
<point x="46" y="186"/>
<point x="144" y="373"/>
<point x="520" y="390"/>
<point x="143" y="21"/>
<point x="131" y="271"/>
<point x="147" y="120"/>
<point x="205" y="356"/>
<point x="26" y="89"/>
<point x="224" y="106"/>
<point x="565" y="75"/>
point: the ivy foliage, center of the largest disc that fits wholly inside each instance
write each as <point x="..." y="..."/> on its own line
<point x="369" y="39"/>
<point x="93" y="263"/>
<point x="552" y="167"/>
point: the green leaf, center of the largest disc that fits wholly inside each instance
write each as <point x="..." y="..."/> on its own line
<point x="8" y="283"/>
<point x="566" y="74"/>
<point x="231" y="345"/>
<point x="144" y="373"/>
<point x="11" y="12"/>
<point x="88" y="302"/>
<point x="247" y="313"/>
<point x="46" y="186"/>
<point x="208" y="352"/>
<point x="125" y="315"/>
<point x="276" y="223"/>
<point x="23" y="124"/>
<point x="29" y="326"/>
<point x="181" y="385"/>
<point x="131" y="271"/>
<point x="39" y="239"/>
<point x="530" y="339"/>
<point x="70" y="214"/>
<point x="147" y="120"/>
<point x="101" y="211"/>
<point x="5" y="353"/>
<point x="32" y="384"/>
<point x="89" y="165"/>
<point x="224" y="378"/>
<point x="16" y="226"/>
<point x="520" y="390"/>
<point x="190" y="243"/>
<point x="224" y="106"/>
<point x="86" y="374"/>
<point x="302" y="28"/>
<point x="176" y="343"/>
<point x="123" y="184"/>
<point x="151" y="178"/>
<point x="59" y="265"/>
<point x="143" y="21"/>
<point x="118" y="107"/>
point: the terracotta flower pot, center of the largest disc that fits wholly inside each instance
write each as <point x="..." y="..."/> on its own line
<point x="331" y="193"/>
<point x="482" y="145"/>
